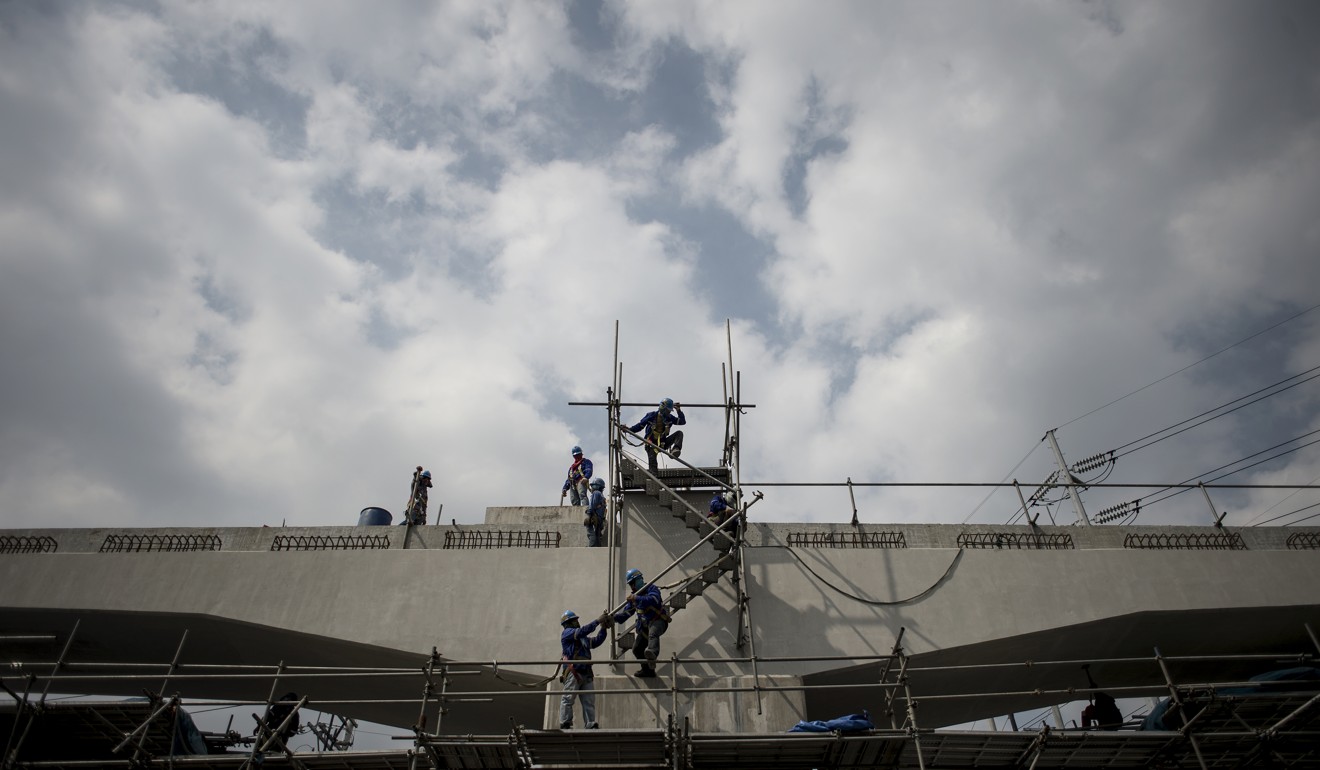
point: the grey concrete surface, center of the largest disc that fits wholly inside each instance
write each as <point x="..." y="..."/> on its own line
<point x="358" y="607"/>
<point x="725" y="704"/>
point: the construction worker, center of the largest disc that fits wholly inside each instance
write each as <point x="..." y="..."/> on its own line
<point x="1102" y="713"/>
<point x="652" y="620"/>
<point x="657" y="426"/>
<point x="595" y="520"/>
<point x="415" y="512"/>
<point x="722" y="513"/>
<point x="579" y="475"/>
<point x="576" y="642"/>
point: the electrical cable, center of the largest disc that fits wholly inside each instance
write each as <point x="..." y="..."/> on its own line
<point x="1189" y="366"/>
<point x="1304" y="518"/>
<point x="1216" y="417"/>
<point x="1221" y="406"/>
<point x="874" y="602"/>
<point x="1291" y="495"/>
<point x="1239" y="470"/>
<point x="1289" y="513"/>
<point x="1030" y="452"/>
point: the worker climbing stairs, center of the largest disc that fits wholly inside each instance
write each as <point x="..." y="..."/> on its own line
<point x="665" y="487"/>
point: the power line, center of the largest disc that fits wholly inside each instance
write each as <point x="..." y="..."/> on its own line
<point x="1305" y="518"/>
<point x="1286" y="498"/>
<point x="1185" y="488"/>
<point x="1189" y="366"/>
<point x="1217" y="408"/>
<point x="1289" y="513"/>
<point x="989" y="494"/>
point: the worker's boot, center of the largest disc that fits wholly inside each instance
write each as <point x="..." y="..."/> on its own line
<point x="645" y="672"/>
<point x="565" y="725"/>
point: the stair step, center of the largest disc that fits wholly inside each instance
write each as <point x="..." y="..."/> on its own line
<point x="692" y="520"/>
<point x="714" y="570"/>
<point x="678" y="601"/>
<point x="625" y="641"/>
<point x="694" y="587"/>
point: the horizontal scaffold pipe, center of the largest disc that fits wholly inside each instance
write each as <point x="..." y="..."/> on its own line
<point x="653" y="403"/>
<point x="1070" y="693"/>
<point x="1292" y="656"/>
<point x="1010" y="484"/>
<point x="147" y="670"/>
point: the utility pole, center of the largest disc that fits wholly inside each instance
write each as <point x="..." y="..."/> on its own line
<point x="1071" y="481"/>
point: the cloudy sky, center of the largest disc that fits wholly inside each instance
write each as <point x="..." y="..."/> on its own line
<point x="258" y="260"/>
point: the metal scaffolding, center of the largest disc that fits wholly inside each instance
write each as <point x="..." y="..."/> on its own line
<point x="1214" y="723"/>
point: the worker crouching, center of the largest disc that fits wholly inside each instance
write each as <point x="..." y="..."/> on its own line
<point x="652" y="620"/>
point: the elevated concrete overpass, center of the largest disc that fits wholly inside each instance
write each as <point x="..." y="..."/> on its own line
<point x="382" y="605"/>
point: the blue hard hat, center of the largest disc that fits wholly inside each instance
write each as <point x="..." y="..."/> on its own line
<point x="426" y="474"/>
<point x="577" y="450"/>
<point x="666" y="404"/>
<point x="567" y="617"/>
<point x="632" y="574"/>
<point x="598" y="483"/>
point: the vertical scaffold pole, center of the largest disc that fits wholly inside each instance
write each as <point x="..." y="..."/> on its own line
<point x="890" y="692"/>
<point x="911" y="708"/>
<point x="419" y="728"/>
<point x="265" y="717"/>
<point x="11" y="759"/>
<point x="1177" y="701"/>
<point x="20" y="707"/>
<point x="174" y="664"/>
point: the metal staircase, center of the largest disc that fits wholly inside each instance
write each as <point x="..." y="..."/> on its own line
<point x="664" y="488"/>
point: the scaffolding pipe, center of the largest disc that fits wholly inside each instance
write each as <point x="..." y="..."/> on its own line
<point x="174" y="664"/>
<point x="1177" y="702"/>
<point x="1095" y="485"/>
<point x="291" y="672"/>
<point x="661" y="450"/>
<point x="12" y="758"/>
<point x="648" y="404"/>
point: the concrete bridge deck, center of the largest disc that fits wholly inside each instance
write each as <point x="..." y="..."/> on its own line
<point x="389" y="605"/>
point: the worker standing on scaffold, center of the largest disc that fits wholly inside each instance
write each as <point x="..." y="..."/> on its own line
<point x="595" y="518"/>
<point x="652" y="620"/>
<point x="415" y="512"/>
<point x="579" y="476"/>
<point x="576" y="642"/>
<point x="657" y="426"/>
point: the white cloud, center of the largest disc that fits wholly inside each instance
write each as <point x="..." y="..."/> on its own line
<point x="1006" y="216"/>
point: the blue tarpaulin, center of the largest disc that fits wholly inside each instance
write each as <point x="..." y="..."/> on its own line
<point x="1277" y="681"/>
<point x="852" y="723"/>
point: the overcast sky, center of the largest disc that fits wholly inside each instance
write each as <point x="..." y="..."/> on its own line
<point x="258" y="260"/>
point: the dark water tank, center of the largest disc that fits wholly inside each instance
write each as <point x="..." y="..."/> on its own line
<point x="374" y="517"/>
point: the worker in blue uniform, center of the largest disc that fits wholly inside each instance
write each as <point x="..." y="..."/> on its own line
<point x="576" y="643"/>
<point x="595" y="518"/>
<point x="579" y="476"/>
<point x="652" y="620"/>
<point x="723" y="514"/>
<point x="656" y="427"/>
<point x="415" y="512"/>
